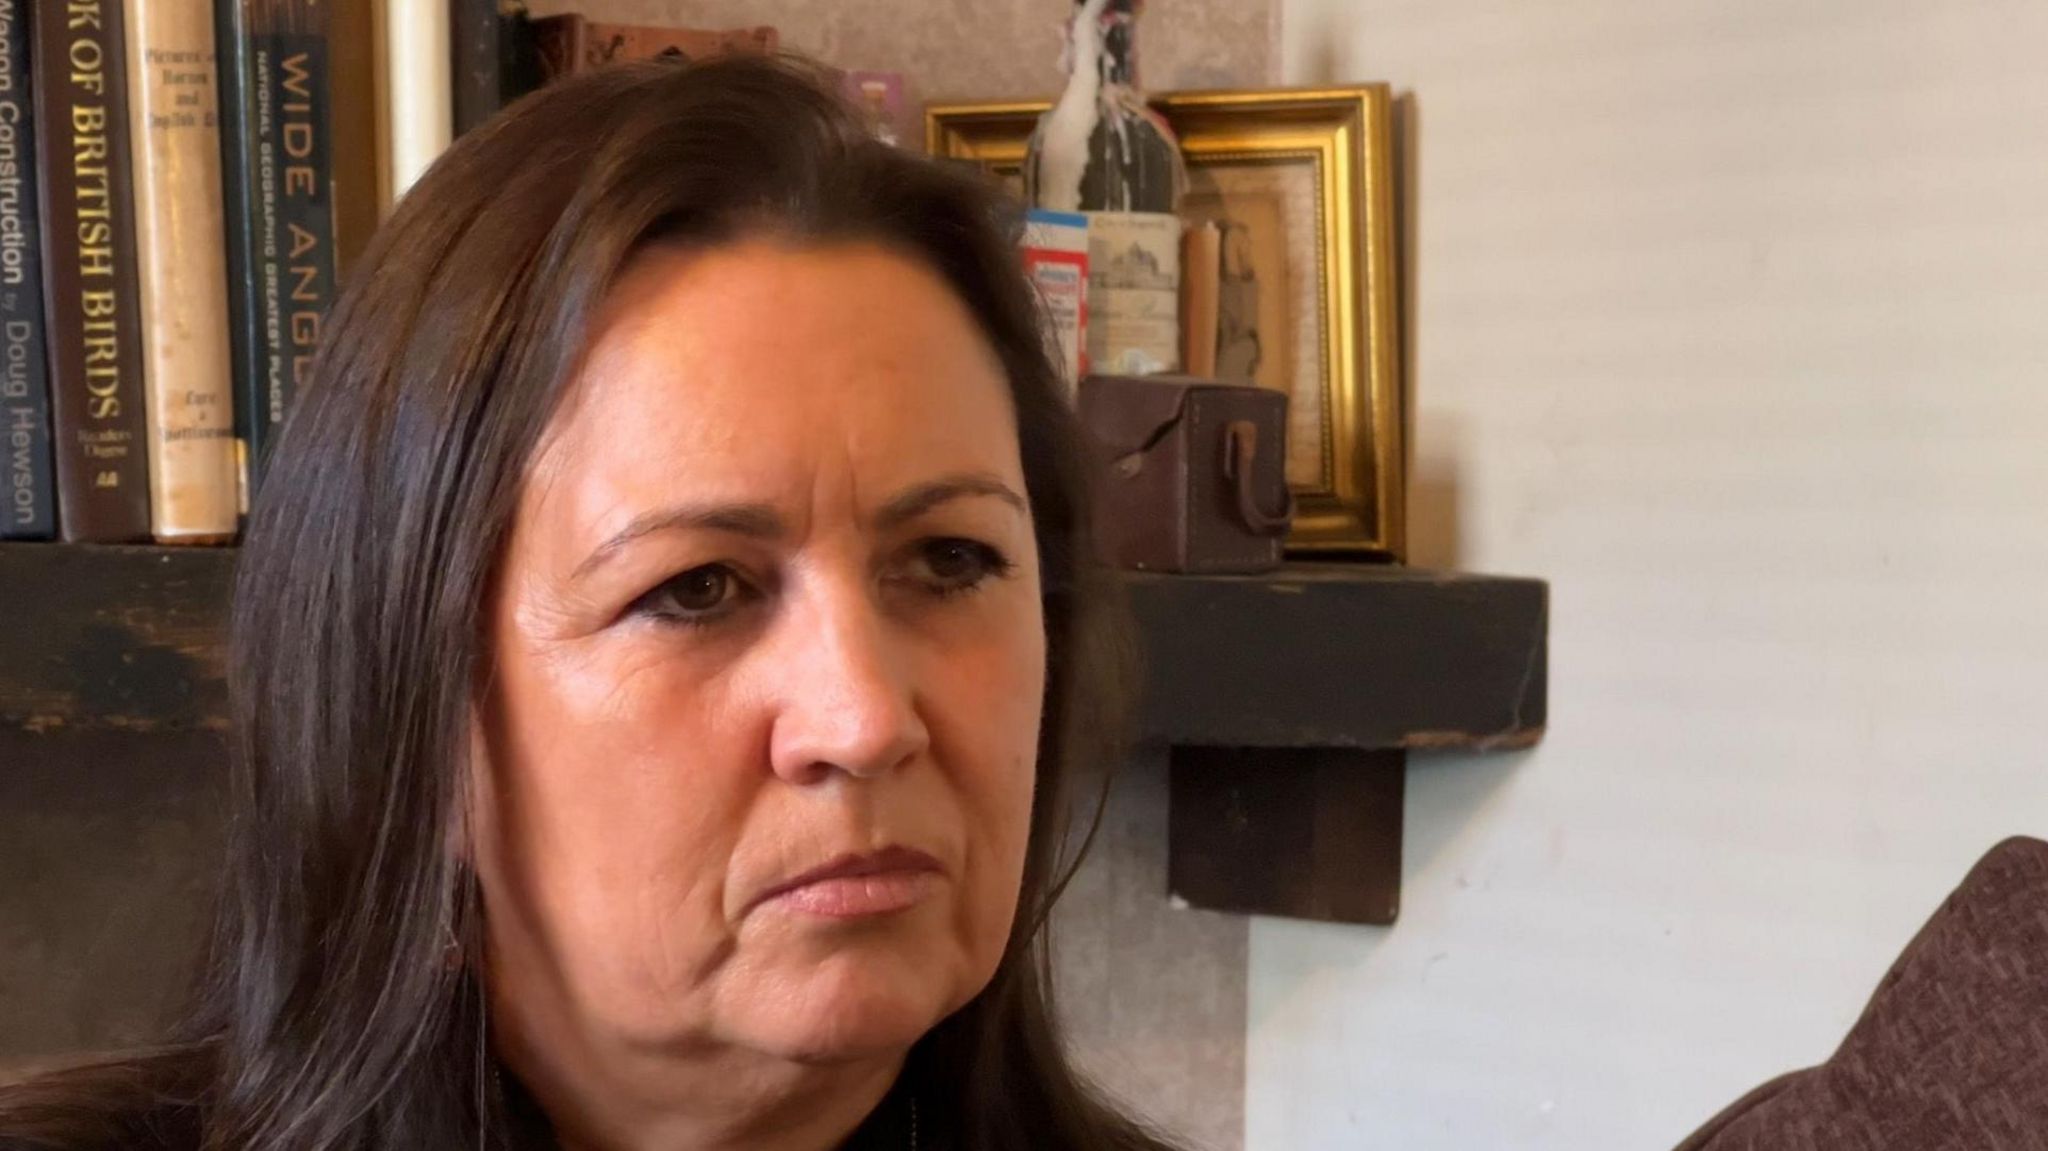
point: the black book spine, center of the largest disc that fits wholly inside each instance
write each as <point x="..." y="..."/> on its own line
<point x="28" y="493"/>
<point x="476" y="65"/>
<point x="245" y="323"/>
<point x="277" y="107"/>
<point x="493" y="58"/>
<point x="518" y="56"/>
<point x="93" y="330"/>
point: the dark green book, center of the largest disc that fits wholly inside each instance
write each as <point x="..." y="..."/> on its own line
<point x="277" y="177"/>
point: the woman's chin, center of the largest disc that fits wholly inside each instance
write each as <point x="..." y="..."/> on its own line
<point x="849" y="1007"/>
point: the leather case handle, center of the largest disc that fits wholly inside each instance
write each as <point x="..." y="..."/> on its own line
<point x="1240" y="451"/>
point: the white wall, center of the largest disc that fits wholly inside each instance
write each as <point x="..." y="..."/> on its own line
<point x="1732" y="321"/>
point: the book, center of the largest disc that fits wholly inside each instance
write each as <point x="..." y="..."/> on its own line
<point x="28" y="486"/>
<point x="1201" y="262"/>
<point x="573" y="43"/>
<point x="174" y="134"/>
<point x="1055" y="257"/>
<point x="1133" y="292"/>
<point x="495" y="58"/>
<point x="100" y="445"/>
<point x="355" y="121"/>
<point x="475" y="65"/>
<point x="490" y="44"/>
<point x="419" y="122"/>
<point x="277" y="186"/>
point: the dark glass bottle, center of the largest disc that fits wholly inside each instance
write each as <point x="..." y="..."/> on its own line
<point x="1100" y="149"/>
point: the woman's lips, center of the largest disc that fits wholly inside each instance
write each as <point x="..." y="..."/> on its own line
<point x="856" y="886"/>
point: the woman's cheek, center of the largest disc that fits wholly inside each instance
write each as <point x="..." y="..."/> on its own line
<point x="635" y="763"/>
<point x="1011" y="707"/>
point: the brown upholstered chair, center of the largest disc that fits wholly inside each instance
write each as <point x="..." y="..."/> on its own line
<point x="1951" y="1054"/>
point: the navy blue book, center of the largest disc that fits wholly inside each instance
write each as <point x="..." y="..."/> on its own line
<point x="28" y="481"/>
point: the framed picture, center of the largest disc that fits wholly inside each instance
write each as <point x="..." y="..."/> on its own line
<point x="1300" y="182"/>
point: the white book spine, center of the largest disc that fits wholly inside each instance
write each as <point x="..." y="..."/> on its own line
<point x="181" y="254"/>
<point x="419" y="88"/>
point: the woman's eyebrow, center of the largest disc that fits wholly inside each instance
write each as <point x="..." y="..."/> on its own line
<point x="921" y="498"/>
<point x="762" y="522"/>
<point x="755" y="521"/>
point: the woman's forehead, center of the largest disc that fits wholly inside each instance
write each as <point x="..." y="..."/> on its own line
<point x="754" y="371"/>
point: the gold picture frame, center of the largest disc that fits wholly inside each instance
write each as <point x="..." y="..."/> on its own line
<point x="1316" y="167"/>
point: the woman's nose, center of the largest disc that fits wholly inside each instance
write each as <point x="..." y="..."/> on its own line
<point x="845" y="697"/>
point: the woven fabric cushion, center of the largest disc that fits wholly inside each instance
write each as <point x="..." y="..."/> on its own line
<point x="1951" y="1054"/>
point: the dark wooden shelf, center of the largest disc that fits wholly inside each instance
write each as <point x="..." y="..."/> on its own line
<point x="128" y="638"/>
<point x="1287" y="700"/>
<point x="1343" y="655"/>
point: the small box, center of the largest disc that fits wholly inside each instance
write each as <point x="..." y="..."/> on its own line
<point x="1056" y="261"/>
<point x="1192" y="475"/>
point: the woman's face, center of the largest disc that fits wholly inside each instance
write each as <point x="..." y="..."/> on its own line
<point x="757" y="747"/>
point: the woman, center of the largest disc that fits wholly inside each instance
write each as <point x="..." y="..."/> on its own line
<point x="661" y="654"/>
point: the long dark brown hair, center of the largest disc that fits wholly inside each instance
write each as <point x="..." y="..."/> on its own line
<point x="326" y="1017"/>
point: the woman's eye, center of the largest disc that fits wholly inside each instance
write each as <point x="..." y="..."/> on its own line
<point x="693" y="597"/>
<point x="949" y="566"/>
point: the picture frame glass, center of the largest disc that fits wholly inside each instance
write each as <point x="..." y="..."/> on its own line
<point x="1272" y="328"/>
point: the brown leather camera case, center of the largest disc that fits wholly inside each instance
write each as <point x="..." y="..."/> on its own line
<point x="1193" y="473"/>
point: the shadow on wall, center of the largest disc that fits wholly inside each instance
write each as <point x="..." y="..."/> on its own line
<point x="1435" y="536"/>
<point x="1446" y="793"/>
<point x="1152" y="996"/>
<point x="1433" y="540"/>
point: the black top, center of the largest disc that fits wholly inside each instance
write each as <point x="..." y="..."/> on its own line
<point x="896" y="1124"/>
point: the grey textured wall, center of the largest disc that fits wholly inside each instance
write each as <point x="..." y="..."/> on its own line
<point x="1153" y="997"/>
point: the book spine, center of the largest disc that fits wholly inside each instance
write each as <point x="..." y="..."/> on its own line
<point x="476" y="61"/>
<point x="300" y="97"/>
<point x="1201" y="256"/>
<point x="353" y="40"/>
<point x="1055" y="253"/>
<point x="182" y="266"/>
<point x="28" y="491"/>
<point x="231" y="45"/>
<point x="277" y="115"/>
<point x="96" y="390"/>
<point x="238" y="183"/>
<point x="417" y="86"/>
<point x="519" y="65"/>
